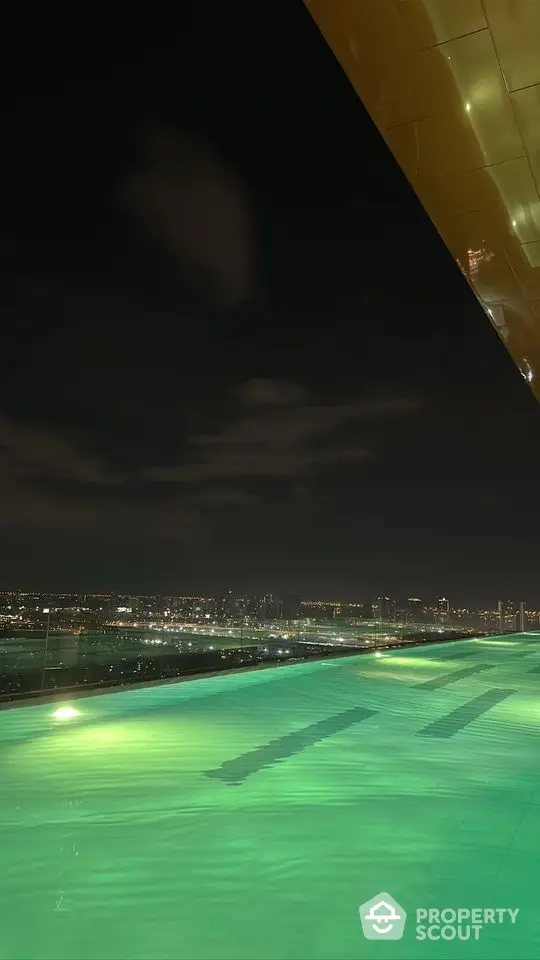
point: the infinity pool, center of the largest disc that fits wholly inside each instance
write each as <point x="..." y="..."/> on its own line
<point x="249" y="815"/>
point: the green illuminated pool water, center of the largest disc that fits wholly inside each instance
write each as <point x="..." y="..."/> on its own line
<point x="248" y="815"/>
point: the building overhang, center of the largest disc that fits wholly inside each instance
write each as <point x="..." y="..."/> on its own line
<point x="454" y="88"/>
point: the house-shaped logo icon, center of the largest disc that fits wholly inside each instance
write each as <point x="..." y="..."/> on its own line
<point x="382" y="918"/>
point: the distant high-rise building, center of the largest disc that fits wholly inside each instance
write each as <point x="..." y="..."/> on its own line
<point x="507" y="616"/>
<point x="269" y="607"/>
<point x="225" y="606"/>
<point x="252" y="606"/>
<point x="443" y="610"/>
<point x="366" y="611"/>
<point x="384" y="609"/>
<point x="291" y="607"/>
<point x="241" y="607"/>
<point x="414" y="608"/>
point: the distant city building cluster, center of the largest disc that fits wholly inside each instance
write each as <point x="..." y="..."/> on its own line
<point x="63" y="640"/>
<point x="80" y="612"/>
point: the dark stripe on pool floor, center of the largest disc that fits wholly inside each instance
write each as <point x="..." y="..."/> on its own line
<point x="461" y="717"/>
<point x="446" y="678"/>
<point x="238" y="769"/>
<point x="461" y="655"/>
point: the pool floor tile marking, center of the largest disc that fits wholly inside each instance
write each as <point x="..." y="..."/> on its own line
<point x="462" y="716"/>
<point x="239" y="768"/>
<point x="454" y="676"/>
<point x="461" y="655"/>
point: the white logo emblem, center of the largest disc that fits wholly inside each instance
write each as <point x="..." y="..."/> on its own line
<point x="382" y="918"/>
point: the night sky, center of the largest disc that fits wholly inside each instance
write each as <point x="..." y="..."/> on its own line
<point x="234" y="351"/>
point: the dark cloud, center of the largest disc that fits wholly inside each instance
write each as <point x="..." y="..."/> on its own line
<point x="33" y="452"/>
<point x="264" y="391"/>
<point x="223" y="497"/>
<point x="55" y="478"/>
<point x="183" y="195"/>
<point x="48" y="485"/>
<point x="283" y="435"/>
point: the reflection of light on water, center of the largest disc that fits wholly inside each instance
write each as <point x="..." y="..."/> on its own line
<point x="107" y="735"/>
<point x="392" y="659"/>
<point x="496" y="643"/>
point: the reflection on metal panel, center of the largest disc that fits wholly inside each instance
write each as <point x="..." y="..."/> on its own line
<point x="454" y="88"/>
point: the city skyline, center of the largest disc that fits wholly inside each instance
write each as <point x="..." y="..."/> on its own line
<point x="383" y="602"/>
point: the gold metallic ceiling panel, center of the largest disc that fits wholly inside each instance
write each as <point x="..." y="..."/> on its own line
<point x="448" y="19"/>
<point x="454" y="88"/>
<point x="515" y="29"/>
